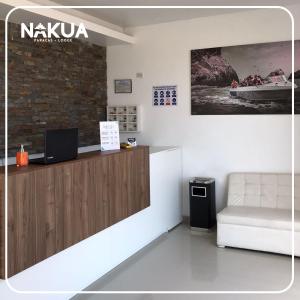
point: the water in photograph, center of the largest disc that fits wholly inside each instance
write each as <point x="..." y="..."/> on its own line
<point x="209" y="100"/>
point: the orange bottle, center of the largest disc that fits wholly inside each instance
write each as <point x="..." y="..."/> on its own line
<point x="22" y="157"/>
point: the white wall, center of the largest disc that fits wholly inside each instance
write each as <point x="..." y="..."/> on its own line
<point x="212" y="145"/>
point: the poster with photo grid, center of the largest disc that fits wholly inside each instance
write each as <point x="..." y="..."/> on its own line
<point x="165" y="95"/>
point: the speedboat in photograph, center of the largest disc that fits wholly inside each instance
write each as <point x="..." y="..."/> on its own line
<point x="271" y="88"/>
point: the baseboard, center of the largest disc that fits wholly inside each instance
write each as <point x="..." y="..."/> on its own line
<point x="186" y="220"/>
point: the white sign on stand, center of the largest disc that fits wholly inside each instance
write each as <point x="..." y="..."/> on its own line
<point x="109" y="135"/>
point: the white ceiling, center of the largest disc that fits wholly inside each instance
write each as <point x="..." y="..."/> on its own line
<point x="118" y="19"/>
<point x="132" y="17"/>
<point x="139" y="17"/>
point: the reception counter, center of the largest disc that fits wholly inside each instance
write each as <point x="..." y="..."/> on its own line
<point x="52" y="207"/>
<point x="123" y="232"/>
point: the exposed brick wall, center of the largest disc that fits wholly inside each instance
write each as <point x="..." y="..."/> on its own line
<point x="2" y="89"/>
<point x="52" y="85"/>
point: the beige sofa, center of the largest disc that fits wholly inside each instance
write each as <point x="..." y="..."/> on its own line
<point x="259" y="213"/>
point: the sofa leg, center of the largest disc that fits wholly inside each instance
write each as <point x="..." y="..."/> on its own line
<point x="220" y="246"/>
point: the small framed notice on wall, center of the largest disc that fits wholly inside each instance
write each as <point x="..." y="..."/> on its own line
<point x="109" y="135"/>
<point x="165" y="95"/>
<point x="123" y="86"/>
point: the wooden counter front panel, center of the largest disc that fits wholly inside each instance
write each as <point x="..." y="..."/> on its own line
<point x="129" y="189"/>
<point x="21" y="223"/>
<point x="138" y="182"/>
<point x="102" y="182"/>
<point x="63" y="193"/>
<point x="45" y="213"/>
<point x="117" y="188"/>
<point x="55" y="207"/>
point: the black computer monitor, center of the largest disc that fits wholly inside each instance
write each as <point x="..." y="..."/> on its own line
<point x="60" y="145"/>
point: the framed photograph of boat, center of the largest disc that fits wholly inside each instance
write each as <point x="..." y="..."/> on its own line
<point x="246" y="79"/>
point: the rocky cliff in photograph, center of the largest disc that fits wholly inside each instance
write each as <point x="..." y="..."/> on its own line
<point x="210" y="68"/>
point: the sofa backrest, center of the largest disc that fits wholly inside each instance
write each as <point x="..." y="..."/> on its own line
<point x="272" y="190"/>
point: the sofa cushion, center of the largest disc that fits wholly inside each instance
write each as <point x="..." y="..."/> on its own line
<point x="259" y="217"/>
<point x="263" y="190"/>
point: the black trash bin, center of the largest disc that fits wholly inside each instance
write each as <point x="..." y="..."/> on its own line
<point x="202" y="203"/>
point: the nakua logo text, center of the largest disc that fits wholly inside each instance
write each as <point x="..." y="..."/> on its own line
<point x="57" y="32"/>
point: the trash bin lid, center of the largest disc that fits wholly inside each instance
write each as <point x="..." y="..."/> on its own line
<point x="203" y="180"/>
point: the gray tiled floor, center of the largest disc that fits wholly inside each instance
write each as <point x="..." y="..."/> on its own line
<point x="185" y="261"/>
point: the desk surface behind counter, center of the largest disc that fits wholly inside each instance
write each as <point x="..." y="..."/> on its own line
<point x="13" y="169"/>
<point x="52" y="207"/>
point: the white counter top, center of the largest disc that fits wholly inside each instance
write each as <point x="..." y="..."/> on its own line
<point x="156" y="149"/>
